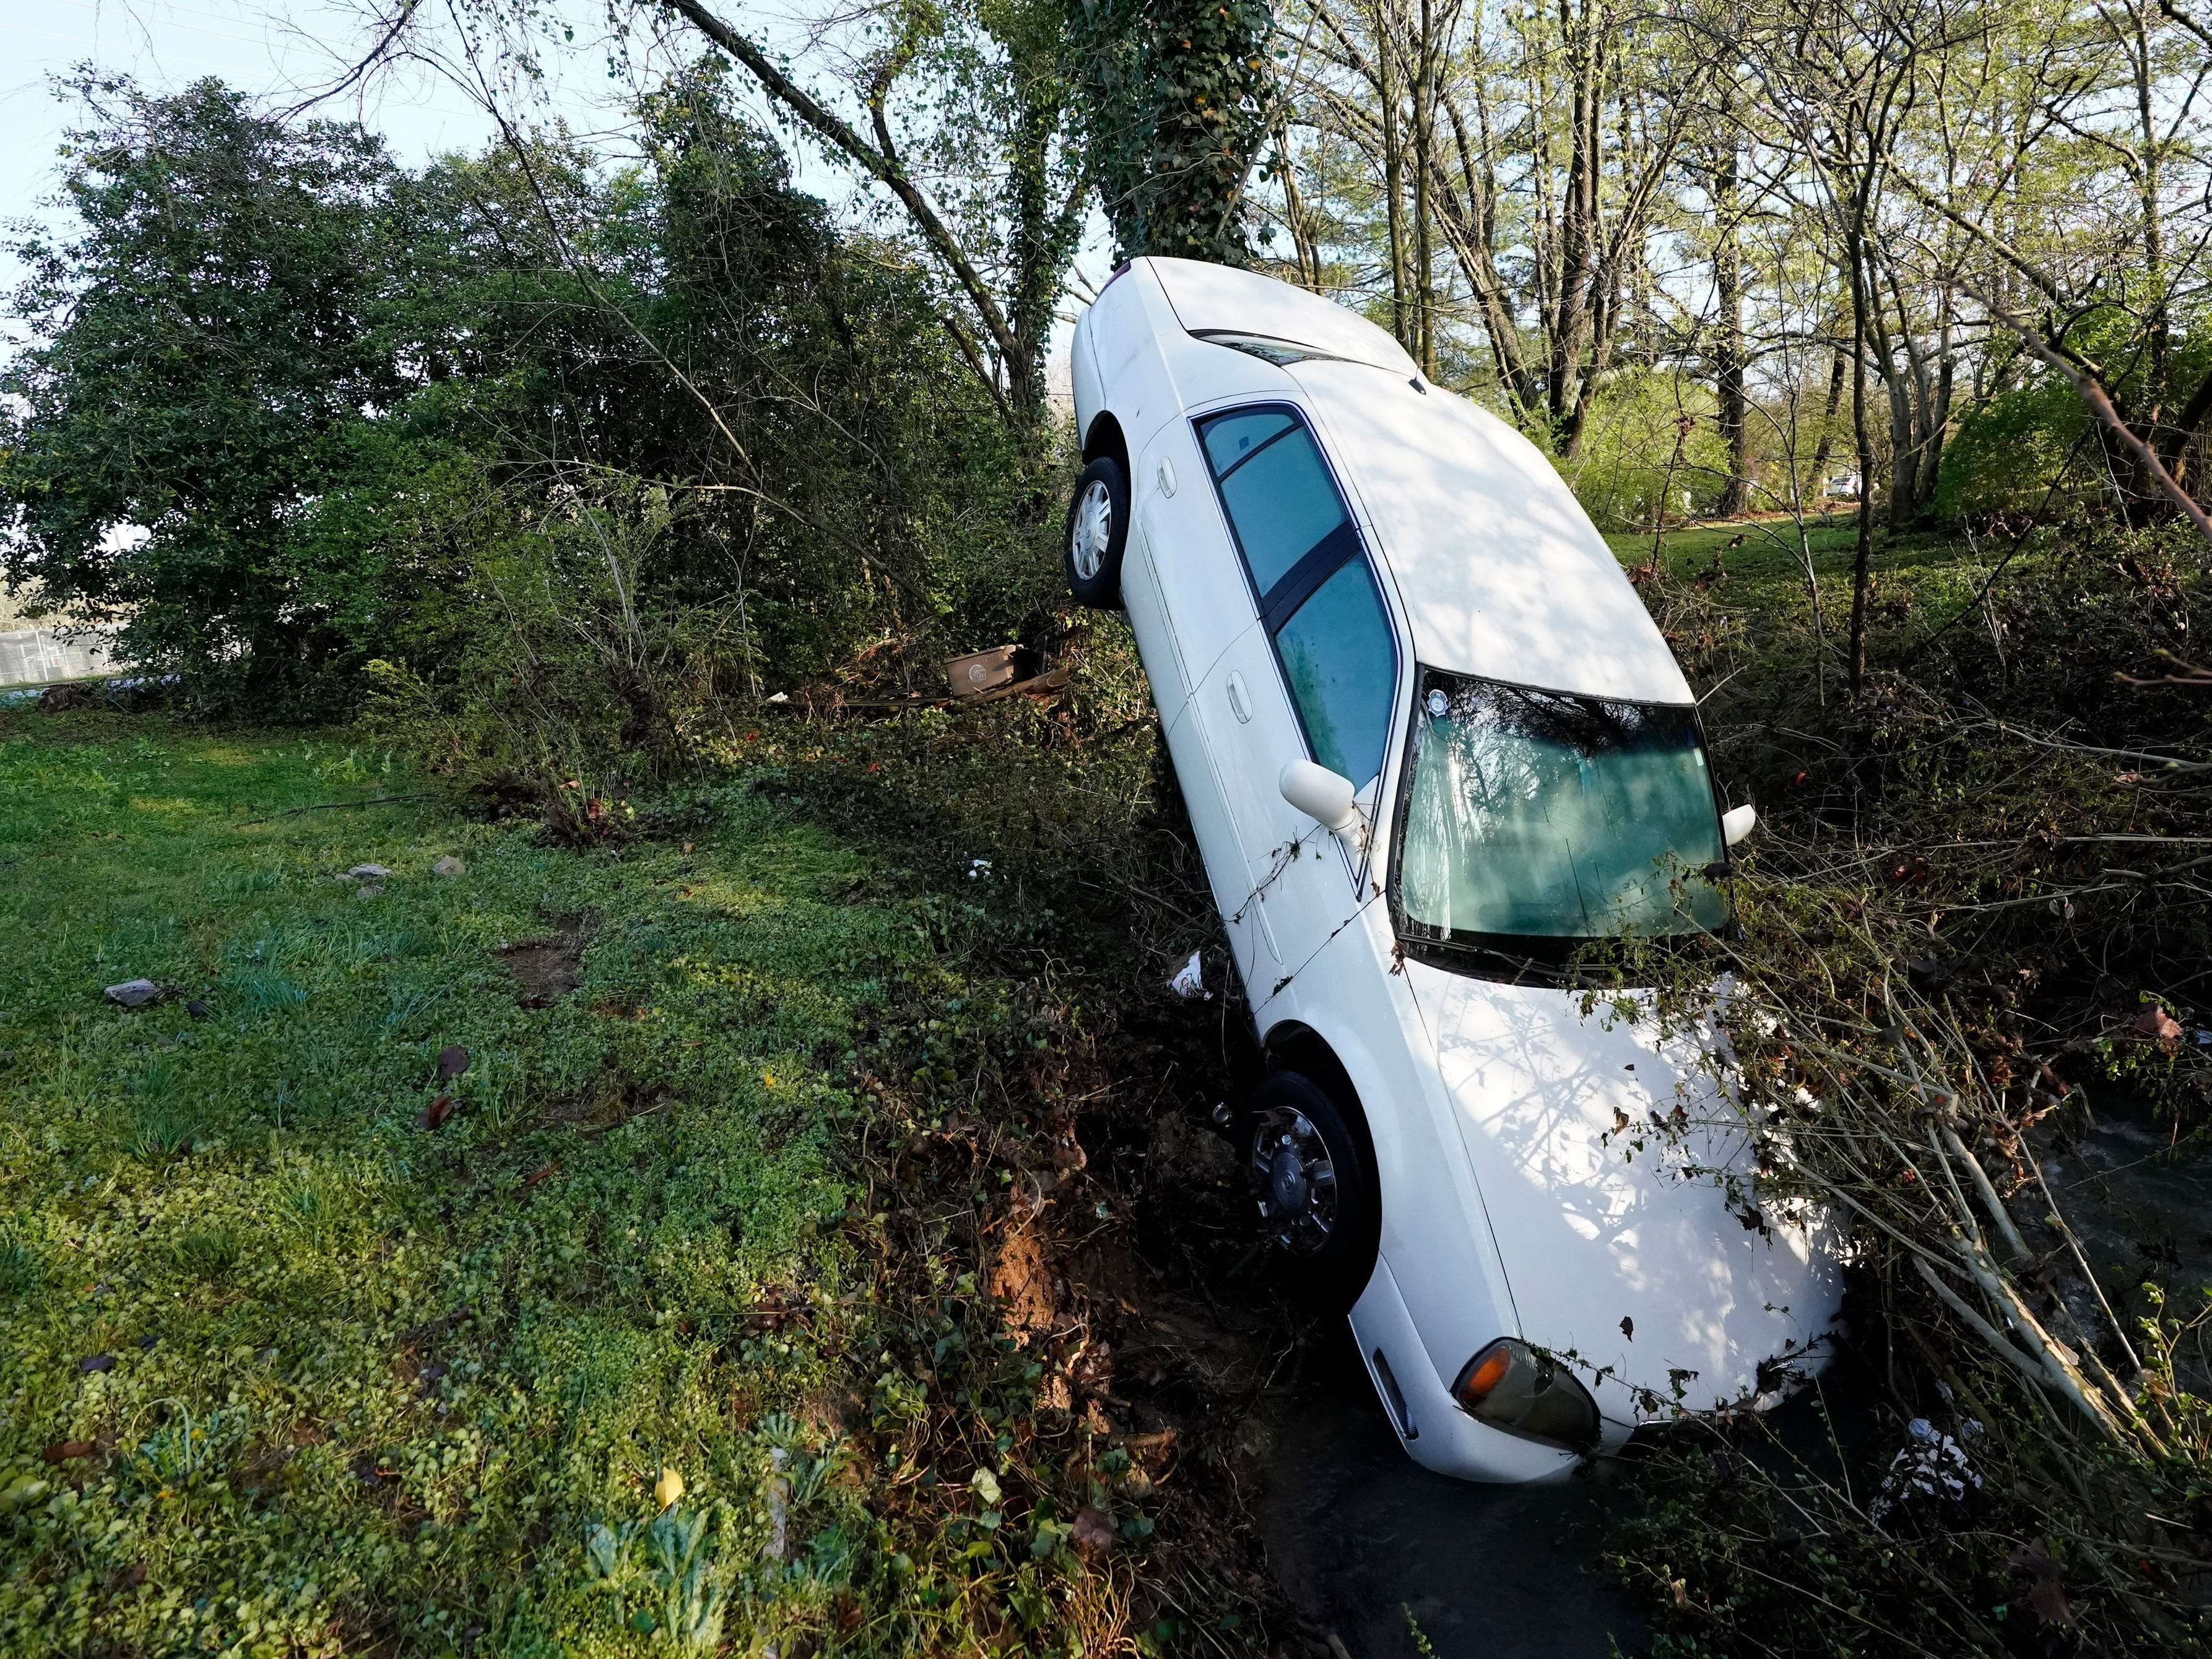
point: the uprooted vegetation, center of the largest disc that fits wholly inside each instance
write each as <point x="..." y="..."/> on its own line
<point x="1973" y="925"/>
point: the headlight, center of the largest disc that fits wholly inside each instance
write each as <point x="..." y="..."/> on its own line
<point x="1510" y="1387"/>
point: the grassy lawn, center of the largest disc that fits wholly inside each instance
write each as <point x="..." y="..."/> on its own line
<point x="296" y="1358"/>
<point x="1761" y="560"/>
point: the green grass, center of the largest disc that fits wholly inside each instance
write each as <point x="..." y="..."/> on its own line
<point x="353" y="1383"/>
<point x="1765" y="570"/>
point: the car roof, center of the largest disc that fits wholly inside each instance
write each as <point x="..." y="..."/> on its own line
<point x="1501" y="572"/>
<point x="1211" y="299"/>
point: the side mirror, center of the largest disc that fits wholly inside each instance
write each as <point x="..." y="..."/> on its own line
<point x="1326" y="797"/>
<point x="1737" y="821"/>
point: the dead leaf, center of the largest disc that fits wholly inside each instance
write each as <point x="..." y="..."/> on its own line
<point x="1092" y="1533"/>
<point x="437" y="1111"/>
<point x="64" y="1451"/>
<point x="452" y="1061"/>
<point x="1628" y="1327"/>
<point x="539" y="1177"/>
<point x="2154" y="1021"/>
<point x="2047" y="1595"/>
<point x="669" y="1488"/>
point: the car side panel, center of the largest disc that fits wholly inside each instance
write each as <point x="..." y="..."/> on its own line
<point x="1302" y="884"/>
<point x="1186" y="594"/>
<point x="1249" y="721"/>
<point x="1159" y="641"/>
<point x="1202" y="582"/>
<point x="1350" y="995"/>
<point x="1130" y="325"/>
<point x="1226" y="871"/>
<point x="1083" y="379"/>
<point x="1146" y="608"/>
<point x="1442" y="1436"/>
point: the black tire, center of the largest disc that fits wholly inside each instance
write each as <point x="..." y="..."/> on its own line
<point x="1328" y="1251"/>
<point x="1097" y="530"/>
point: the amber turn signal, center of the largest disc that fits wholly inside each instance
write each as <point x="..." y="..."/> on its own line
<point x="1509" y="1386"/>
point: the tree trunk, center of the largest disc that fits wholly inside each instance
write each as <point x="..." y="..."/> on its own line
<point x="1732" y="407"/>
<point x="1306" y="256"/>
<point x="1424" y="127"/>
<point x="1393" y="168"/>
<point x="1578" y="232"/>
<point x="1826" y="446"/>
<point x="1862" y="552"/>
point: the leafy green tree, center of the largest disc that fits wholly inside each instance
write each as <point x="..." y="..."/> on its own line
<point x="965" y="106"/>
<point x="289" y="410"/>
<point x="196" y="354"/>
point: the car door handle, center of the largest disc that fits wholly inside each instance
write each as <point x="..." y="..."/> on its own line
<point x="1240" y="702"/>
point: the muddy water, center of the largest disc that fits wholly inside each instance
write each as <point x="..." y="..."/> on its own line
<point x="1367" y="1543"/>
<point x="2141" y="1206"/>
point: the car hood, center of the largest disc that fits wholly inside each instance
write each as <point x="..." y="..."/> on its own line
<point x="1619" y="1244"/>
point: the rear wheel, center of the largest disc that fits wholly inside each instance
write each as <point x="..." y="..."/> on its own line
<point x="1315" y="1191"/>
<point x="1097" y="530"/>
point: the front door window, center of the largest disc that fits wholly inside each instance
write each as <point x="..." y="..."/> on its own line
<point x="1318" y="600"/>
<point x="1342" y="671"/>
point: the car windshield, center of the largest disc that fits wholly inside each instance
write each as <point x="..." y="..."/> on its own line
<point x="1535" y="815"/>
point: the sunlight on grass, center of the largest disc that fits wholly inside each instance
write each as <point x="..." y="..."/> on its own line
<point x="343" y="1380"/>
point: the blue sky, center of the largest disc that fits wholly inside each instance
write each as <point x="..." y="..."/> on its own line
<point x="281" y="50"/>
<point x="272" y="50"/>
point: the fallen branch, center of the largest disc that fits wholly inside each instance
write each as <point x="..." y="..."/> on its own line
<point x="2092" y="393"/>
<point x="340" y="805"/>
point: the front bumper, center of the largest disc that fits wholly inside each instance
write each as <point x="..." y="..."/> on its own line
<point x="1435" y="1433"/>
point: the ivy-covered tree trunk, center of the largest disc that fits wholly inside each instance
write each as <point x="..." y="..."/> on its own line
<point x="1174" y="100"/>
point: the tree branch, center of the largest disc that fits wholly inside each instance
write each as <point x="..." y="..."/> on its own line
<point x="881" y="163"/>
<point x="2092" y="393"/>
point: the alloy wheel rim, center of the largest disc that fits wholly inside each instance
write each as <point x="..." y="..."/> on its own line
<point x="1296" y="1180"/>
<point x="1094" y="528"/>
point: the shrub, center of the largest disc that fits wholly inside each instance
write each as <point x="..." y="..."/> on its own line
<point x="1649" y="445"/>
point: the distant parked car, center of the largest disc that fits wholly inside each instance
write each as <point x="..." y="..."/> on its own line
<point x="1431" y="743"/>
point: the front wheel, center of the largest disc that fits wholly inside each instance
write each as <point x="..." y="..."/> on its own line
<point x="1315" y="1191"/>
<point x="1097" y="530"/>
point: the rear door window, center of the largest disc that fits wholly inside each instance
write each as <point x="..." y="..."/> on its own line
<point x="1283" y="506"/>
<point x="1233" y="437"/>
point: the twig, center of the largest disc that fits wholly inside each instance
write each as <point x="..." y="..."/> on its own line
<point x="1982" y="1328"/>
<point x="337" y="806"/>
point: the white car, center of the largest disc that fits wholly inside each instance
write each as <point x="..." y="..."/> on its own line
<point x="1431" y="742"/>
